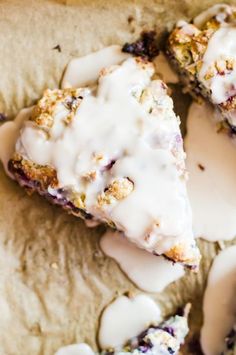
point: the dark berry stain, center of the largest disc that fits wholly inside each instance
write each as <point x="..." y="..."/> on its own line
<point x="145" y="46"/>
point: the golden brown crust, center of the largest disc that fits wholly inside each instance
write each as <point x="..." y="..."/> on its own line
<point x="44" y="175"/>
<point x="178" y="253"/>
<point x="188" y="48"/>
<point x="47" y="106"/>
<point x="117" y="190"/>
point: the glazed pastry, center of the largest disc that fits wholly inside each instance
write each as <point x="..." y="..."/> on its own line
<point x="164" y="339"/>
<point x="204" y="53"/>
<point x="113" y="153"/>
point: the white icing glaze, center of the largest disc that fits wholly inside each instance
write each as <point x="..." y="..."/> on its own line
<point x="111" y="122"/>
<point x="186" y="27"/>
<point x="125" y="318"/>
<point x="212" y="191"/>
<point x="9" y="132"/>
<point x="149" y="272"/>
<point x="221" y="46"/>
<point x="85" y="70"/>
<point x="221" y="10"/>
<point x="75" y="349"/>
<point x="219" y="302"/>
<point x="164" y="70"/>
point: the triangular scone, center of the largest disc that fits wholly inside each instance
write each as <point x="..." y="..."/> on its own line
<point x="113" y="153"/>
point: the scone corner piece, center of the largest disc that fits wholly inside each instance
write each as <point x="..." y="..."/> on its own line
<point x="165" y="338"/>
<point x="204" y="54"/>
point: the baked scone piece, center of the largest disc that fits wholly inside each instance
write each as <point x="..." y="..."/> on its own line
<point x="230" y="343"/>
<point x="114" y="154"/>
<point x="204" y="53"/>
<point x="164" y="339"/>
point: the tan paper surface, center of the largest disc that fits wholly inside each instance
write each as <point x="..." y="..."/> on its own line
<point x="54" y="280"/>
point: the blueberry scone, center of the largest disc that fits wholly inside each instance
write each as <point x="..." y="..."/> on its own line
<point x="164" y="339"/>
<point x="113" y="153"/>
<point x="204" y="53"/>
<point x="230" y="343"/>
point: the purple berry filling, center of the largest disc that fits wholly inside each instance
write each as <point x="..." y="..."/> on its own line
<point x="62" y="200"/>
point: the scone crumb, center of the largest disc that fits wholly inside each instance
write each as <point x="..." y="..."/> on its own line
<point x="117" y="190"/>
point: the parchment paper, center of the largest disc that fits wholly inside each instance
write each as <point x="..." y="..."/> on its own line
<point x="54" y="280"/>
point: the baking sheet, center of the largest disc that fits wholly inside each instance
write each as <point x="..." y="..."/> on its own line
<point x="54" y="280"/>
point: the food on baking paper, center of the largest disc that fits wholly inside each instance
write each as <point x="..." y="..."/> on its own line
<point x="113" y="153"/>
<point x="164" y="339"/>
<point x="204" y="53"/>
